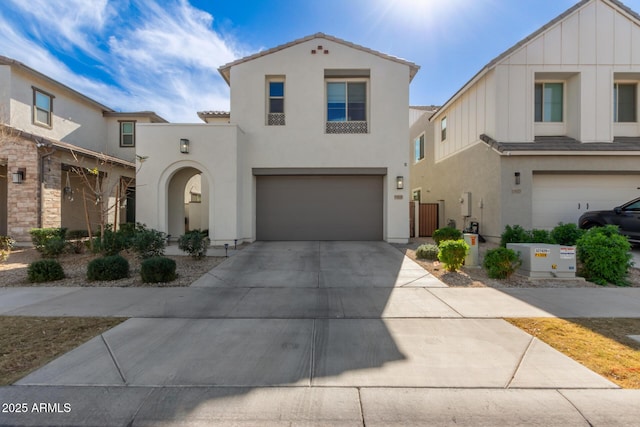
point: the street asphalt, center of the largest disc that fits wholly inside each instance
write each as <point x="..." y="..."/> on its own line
<point x="317" y="333"/>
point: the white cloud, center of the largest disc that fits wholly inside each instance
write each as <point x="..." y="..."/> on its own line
<point x="164" y="58"/>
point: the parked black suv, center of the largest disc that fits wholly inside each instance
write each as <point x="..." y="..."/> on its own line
<point x="626" y="217"/>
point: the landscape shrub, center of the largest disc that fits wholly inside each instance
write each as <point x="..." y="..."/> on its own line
<point x="452" y="253"/>
<point x="6" y="244"/>
<point x="566" y="234"/>
<point x="147" y="242"/>
<point x="112" y="267"/>
<point x="515" y="234"/>
<point x="604" y="255"/>
<point x="501" y="263"/>
<point x="540" y="236"/>
<point x="158" y="269"/>
<point x="195" y="243"/>
<point x="40" y="236"/>
<point x="446" y="233"/>
<point x="77" y="234"/>
<point x="110" y="242"/>
<point x="45" y="270"/>
<point x="53" y="247"/>
<point x="427" y="251"/>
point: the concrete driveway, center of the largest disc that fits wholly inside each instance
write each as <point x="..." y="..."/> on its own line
<point x="335" y="333"/>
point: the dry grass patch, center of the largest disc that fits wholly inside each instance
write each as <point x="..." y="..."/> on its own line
<point x="27" y="343"/>
<point x="601" y="345"/>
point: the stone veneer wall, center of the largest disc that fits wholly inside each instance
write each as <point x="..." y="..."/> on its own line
<point x="51" y="192"/>
<point x="22" y="199"/>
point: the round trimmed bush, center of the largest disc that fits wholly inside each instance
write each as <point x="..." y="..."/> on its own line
<point x="108" y="268"/>
<point x="566" y="234"/>
<point x="446" y="233"/>
<point x="452" y="253"/>
<point x="158" y="270"/>
<point x="604" y="254"/>
<point x="501" y="263"/>
<point x="45" y="270"/>
<point x="427" y="251"/>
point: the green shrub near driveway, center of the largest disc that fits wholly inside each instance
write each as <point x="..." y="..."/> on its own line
<point x="427" y="251"/>
<point x="501" y="263"/>
<point x="158" y="269"/>
<point x="566" y="234"/>
<point x="604" y="254"/>
<point x="195" y="243"/>
<point x="147" y="242"/>
<point x="45" y="270"/>
<point x="452" y="253"/>
<point x="446" y="233"/>
<point x="108" y="268"/>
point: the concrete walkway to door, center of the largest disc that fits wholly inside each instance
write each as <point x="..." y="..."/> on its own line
<point x="319" y="333"/>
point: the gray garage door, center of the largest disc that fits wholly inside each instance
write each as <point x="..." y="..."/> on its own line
<point x="319" y="207"/>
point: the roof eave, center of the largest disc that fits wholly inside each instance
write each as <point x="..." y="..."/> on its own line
<point x="225" y="70"/>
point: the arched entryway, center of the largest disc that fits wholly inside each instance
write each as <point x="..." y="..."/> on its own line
<point x="188" y="202"/>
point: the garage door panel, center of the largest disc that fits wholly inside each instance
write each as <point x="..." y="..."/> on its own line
<point x="319" y="207"/>
<point x="563" y="198"/>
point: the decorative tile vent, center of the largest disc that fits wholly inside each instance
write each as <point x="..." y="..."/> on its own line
<point x="275" y="119"/>
<point x="346" y="127"/>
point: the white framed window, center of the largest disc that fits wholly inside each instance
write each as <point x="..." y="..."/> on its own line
<point x="275" y="101"/>
<point x="625" y="102"/>
<point x="549" y="102"/>
<point x="42" y="107"/>
<point x="127" y="133"/>
<point x="346" y="106"/>
<point x="419" y="149"/>
<point x="443" y="129"/>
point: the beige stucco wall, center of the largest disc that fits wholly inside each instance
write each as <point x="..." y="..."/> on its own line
<point x="162" y="177"/>
<point x="75" y="121"/>
<point x="517" y="200"/>
<point x="303" y="141"/>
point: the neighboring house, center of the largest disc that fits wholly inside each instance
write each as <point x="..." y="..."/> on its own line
<point x="544" y="132"/>
<point x="48" y="133"/>
<point x="312" y="150"/>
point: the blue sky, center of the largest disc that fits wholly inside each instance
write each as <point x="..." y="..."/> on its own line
<point x="163" y="55"/>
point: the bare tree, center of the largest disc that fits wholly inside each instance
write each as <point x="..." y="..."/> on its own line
<point x="104" y="190"/>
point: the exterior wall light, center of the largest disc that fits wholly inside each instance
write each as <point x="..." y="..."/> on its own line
<point x="517" y="177"/>
<point x="184" y="146"/>
<point x="399" y="182"/>
<point x="18" y="176"/>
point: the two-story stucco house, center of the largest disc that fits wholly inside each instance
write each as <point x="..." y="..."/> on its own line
<point x="544" y="132"/>
<point x="48" y="133"/>
<point x="312" y="149"/>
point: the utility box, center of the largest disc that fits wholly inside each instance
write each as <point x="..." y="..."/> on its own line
<point x="472" y="259"/>
<point x="545" y="261"/>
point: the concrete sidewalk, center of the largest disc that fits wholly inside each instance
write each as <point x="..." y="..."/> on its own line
<point x="321" y="303"/>
<point x="318" y="333"/>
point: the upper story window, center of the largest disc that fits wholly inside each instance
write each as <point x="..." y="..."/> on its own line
<point x="443" y="129"/>
<point x="128" y="134"/>
<point x="347" y="106"/>
<point x="42" y="107"/>
<point x="549" y="103"/>
<point x="624" y="103"/>
<point x="275" y="107"/>
<point x="419" y="149"/>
